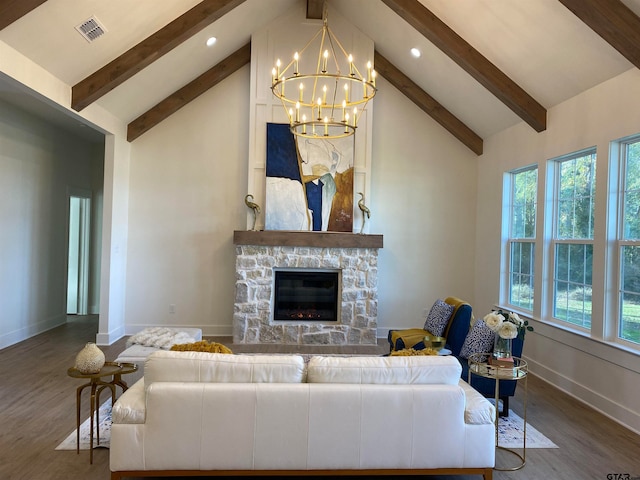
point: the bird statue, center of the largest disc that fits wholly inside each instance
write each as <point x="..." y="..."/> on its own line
<point x="253" y="206"/>
<point x="366" y="213"/>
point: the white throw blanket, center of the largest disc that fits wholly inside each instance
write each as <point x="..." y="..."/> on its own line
<point x="160" y="337"/>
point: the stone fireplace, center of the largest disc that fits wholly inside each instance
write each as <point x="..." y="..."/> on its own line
<point x="260" y="253"/>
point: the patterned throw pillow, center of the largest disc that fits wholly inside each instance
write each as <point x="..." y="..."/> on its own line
<point x="438" y="318"/>
<point x="479" y="340"/>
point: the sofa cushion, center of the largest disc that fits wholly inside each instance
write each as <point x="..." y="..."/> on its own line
<point x="438" y="317"/>
<point x="170" y="366"/>
<point x="384" y="370"/>
<point x="479" y="340"/>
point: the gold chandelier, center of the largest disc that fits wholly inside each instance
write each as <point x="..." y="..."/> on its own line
<point x="328" y="102"/>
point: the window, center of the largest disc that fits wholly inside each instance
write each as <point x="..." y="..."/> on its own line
<point x="522" y="233"/>
<point x="572" y="242"/>
<point x="629" y="293"/>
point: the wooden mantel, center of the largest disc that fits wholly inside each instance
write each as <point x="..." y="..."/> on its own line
<point x="288" y="238"/>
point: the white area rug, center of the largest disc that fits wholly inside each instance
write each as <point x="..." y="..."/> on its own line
<point x="69" y="443"/>
<point x="510" y="433"/>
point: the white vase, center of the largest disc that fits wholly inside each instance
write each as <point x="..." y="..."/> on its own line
<point x="90" y="359"/>
<point x="501" y="347"/>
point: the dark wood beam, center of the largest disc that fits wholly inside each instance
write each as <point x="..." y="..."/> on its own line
<point x="315" y="9"/>
<point x="189" y="92"/>
<point x="148" y="51"/>
<point x="428" y="104"/>
<point x="613" y="21"/>
<point x="12" y="10"/>
<point x="467" y="57"/>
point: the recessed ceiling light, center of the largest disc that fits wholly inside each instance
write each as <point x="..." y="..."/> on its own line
<point x="211" y="41"/>
<point x="415" y="52"/>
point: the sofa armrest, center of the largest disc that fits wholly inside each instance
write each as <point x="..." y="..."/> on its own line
<point x="131" y="406"/>
<point x="477" y="410"/>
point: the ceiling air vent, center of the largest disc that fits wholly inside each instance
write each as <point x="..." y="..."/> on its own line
<point x="91" y="29"/>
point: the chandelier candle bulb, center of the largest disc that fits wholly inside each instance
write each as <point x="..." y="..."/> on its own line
<point x="301" y="89"/>
<point x="319" y="108"/>
<point x="373" y="77"/>
<point x="346" y="92"/>
<point x="346" y="123"/>
<point x="284" y="82"/>
<point x="304" y="124"/>
<point x="278" y="69"/>
<point x="326" y="127"/>
<point x="351" y="65"/>
<point x="296" y="57"/>
<point x="344" y="109"/>
<point x="355" y="115"/>
<point x="274" y="79"/>
<point x="297" y="112"/>
<point x="325" y="56"/>
<point x="369" y="72"/>
<point x="324" y="95"/>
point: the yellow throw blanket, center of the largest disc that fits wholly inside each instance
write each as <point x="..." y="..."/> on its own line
<point x="412" y="336"/>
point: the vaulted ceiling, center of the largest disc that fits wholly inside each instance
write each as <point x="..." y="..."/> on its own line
<point x="485" y="66"/>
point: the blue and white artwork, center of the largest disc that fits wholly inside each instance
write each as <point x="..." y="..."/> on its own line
<point x="309" y="182"/>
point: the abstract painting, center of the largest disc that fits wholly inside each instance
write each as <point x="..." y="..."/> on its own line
<point x="309" y="182"/>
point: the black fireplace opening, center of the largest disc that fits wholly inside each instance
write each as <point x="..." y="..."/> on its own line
<point x="306" y="295"/>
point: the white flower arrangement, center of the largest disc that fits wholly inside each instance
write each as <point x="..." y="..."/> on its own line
<point x="507" y="324"/>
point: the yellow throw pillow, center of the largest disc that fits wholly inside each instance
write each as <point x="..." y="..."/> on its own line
<point x="407" y="352"/>
<point x="201" y="346"/>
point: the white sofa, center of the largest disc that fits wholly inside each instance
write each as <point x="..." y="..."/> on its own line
<point x="213" y="414"/>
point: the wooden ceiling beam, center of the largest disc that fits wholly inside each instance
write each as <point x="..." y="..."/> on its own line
<point x="474" y="63"/>
<point x="315" y="9"/>
<point x="613" y="21"/>
<point x="149" y="50"/>
<point x="12" y="10"/>
<point x="189" y="92"/>
<point x="428" y="104"/>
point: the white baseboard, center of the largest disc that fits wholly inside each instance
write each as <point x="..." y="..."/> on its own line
<point x="29" y="331"/>
<point x="607" y="406"/>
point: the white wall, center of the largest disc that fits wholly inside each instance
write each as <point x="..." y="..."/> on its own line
<point x="593" y="370"/>
<point x="423" y="201"/>
<point x="188" y="179"/>
<point x="38" y="163"/>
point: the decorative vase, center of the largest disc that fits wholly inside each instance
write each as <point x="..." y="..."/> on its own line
<point x="90" y="359"/>
<point x="501" y="347"/>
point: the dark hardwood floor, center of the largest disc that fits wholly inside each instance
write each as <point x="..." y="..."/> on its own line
<point x="37" y="411"/>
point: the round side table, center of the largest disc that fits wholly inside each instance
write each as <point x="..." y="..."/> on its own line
<point x="97" y="384"/>
<point x="480" y="364"/>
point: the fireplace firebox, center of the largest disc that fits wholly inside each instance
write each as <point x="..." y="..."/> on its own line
<point x="306" y="295"/>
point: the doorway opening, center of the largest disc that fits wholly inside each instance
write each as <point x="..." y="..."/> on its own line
<point x="79" y="241"/>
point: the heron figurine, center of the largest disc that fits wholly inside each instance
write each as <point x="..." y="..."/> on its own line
<point x="366" y="213"/>
<point x="248" y="200"/>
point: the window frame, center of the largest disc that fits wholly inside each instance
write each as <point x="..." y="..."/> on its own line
<point x="621" y="241"/>
<point x="512" y="239"/>
<point x="556" y="240"/>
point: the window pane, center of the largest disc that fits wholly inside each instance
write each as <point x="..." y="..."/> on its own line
<point x="631" y="228"/>
<point x="629" y="325"/>
<point x="572" y="283"/>
<point x="523" y="214"/>
<point x="521" y="274"/>
<point x="575" y="197"/>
